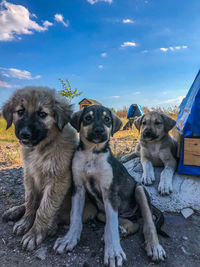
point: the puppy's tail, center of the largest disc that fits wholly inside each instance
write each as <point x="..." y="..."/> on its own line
<point x="159" y="221"/>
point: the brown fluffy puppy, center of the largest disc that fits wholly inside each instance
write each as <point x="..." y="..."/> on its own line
<point x="48" y="142"/>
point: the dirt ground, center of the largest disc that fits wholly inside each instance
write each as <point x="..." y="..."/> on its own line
<point x="183" y="246"/>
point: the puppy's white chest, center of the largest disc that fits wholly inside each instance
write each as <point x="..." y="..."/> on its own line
<point x="91" y="167"/>
<point x="87" y="164"/>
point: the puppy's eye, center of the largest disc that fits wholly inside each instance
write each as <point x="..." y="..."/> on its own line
<point x="88" y="118"/>
<point x="21" y="112"/>
<point x="106" y="119"/>
<point x="157" y="123"/>
<point x="42" y="114"/>
<point x="144" y="123"/>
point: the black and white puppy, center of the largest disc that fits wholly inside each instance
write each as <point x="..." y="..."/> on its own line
<point x="98" y="172"/>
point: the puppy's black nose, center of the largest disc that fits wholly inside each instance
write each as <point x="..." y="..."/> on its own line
<point x="99" y="130"/>
<point x="25" y="133"/>
<point x="147" y="133"/>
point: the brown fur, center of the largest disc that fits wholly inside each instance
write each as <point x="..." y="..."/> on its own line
<point x="47" y="166"/>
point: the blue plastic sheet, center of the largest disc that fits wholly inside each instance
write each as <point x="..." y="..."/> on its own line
<point x="188" y="123"/>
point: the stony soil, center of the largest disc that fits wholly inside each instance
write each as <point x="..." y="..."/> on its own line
<point x="183" y="246"/>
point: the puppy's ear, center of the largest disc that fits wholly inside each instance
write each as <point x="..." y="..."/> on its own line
<point x="62" y="113"/>
<point x="117" y="123"/>
<point x="7" y="112"/>
<point x="75" y="121"/>
<point x="138" y="122"/>
<point x="169" y="123"/>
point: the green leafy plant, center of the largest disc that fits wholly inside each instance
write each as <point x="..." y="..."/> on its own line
<point x="67" y="90"/>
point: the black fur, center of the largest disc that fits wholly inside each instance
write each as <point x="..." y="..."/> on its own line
<point x="36" y="128"/>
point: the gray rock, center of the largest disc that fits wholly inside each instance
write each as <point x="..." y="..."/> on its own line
<point x="186" y="189"/>
<point x="41" y="253"/>
<point x="187" y="212"/>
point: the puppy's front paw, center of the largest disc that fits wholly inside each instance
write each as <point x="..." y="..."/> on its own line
<point x="68" y="242"/>
<point x="148" y="178"/>
<point x="165" y="187"/>
<point x="14" y="213"/>
<point x="156" y="252"/>
<point x="22" y="226"/>
<point x="114" y="256"/>
<point x="33" y="238"/>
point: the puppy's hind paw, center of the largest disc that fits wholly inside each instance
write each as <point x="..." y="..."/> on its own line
<point x="14" y="213"/>
<point x="156" y="252"/>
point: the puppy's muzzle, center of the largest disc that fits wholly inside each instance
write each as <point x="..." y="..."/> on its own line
<point x="98" y="131"/>
<point x="97" y="135"/>
<point x="149" y="134"/>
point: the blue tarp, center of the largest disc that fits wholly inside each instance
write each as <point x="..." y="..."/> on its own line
<point x="134" y="110"/>
<point x="188" y="123"/>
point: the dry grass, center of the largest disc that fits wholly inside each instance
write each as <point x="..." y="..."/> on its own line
<point x="6" y="135"/>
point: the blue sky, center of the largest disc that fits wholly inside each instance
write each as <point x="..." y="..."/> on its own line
<point x="118" y="52"/>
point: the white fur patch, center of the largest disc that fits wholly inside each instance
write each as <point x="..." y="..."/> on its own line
<point x="148" y="176"/>
<point x="165" y="185"/>
<point x="113" y="251"/>
<point x="87" y="164"/>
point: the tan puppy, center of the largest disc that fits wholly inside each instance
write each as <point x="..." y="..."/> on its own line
<point x="47" y="142"/>
<point x="156" y="148"/>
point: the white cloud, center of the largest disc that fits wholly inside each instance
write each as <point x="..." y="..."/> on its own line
<point x="47" y="23"/>
<point x="164" y="49"/>
<point x="60" y="18"/>
<point x="16" y="20"/>
<point x="100" y="66"/>
<point x="115" y="96"/>
<point x="127" y="21"/>
<point x="92" y="2"/>
<point x="104" y="54"/>
<point x="5" y="84"/>
<point x="19" y="74"/>
<point x="173" y="48"/>
<point x="126" y="44"/>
